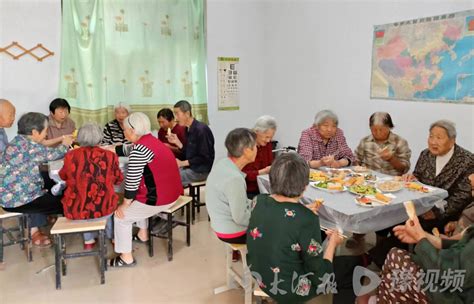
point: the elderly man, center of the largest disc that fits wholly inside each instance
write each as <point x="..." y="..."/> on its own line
<point x="199" y="148"/>
<point x="7" y="116"/>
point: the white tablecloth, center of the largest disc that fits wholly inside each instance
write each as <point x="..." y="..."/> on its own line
<point x="340" y="211"/>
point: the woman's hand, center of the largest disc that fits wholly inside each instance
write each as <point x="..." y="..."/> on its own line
<point x="264" y="171"/>
<point x="67" y="140"/>
<point x="334" y="238"/>
<point x="408" y="178"/>
<point x="411" y="232"/>
<point x="449" y="228"/>
<point x="315" y="206"/>
<point x="385" y="154"/>
<point x="120" y="212"/>
<point x="430" y="215"/>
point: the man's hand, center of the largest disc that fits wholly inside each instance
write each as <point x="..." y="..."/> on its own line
<point x="386" y="154"/>
<point x="67" y="140"/>
<point x="173" y="139"/>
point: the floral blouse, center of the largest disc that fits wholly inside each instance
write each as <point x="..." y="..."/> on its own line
<point x="20" y="178"/>
<point x="90" y="174"/>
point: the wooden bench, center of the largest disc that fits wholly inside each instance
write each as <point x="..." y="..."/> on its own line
<point x="233" y="278"/>
<point x="64" y="226"/>
<point x="195" y="193"/>
<point x="23" y="229"/>
<point x="183" y="202"/>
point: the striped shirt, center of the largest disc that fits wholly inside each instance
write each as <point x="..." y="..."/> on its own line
<point x="113" y="133"/>
<point x="312" y="146"/>
<point x="139" y="157"/>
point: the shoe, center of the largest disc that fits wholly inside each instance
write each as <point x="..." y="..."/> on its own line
<point x="137" y="239"/>
<point x="89" y="247"/>
<point x="235" y="256"/>
<point x="118" y="262"/>
<point x="41" y="240"/>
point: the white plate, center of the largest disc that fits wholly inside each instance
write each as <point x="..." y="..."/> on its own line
<point x="394" y="190"/>
<point x="314" y="185"/>
<point x="375" y="202"/>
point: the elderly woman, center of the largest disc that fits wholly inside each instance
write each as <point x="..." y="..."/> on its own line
<point x="265" y="128"/>
<point x="324" y="143"/>
<point x="383" y="150"/>
<point x="90" y="174"/>
<point x="226" y="199"/>
<point x="21" y="185"/>
<point x="152" y="185"/>
<point x="445" y="165"/>
<point x="113" y="130"/>
<point x="284" y="237"/>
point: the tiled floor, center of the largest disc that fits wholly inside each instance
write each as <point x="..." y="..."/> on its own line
<point x="190" y="278"/>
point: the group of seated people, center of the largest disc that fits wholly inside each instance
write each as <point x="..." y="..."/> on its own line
<point x="156" y="172"/>
<point x="282" y="235"/>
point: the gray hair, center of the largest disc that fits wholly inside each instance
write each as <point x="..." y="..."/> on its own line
<point x="323" y="115"/>
<point x="239" y="139"/>
<point x="139" y="122"/>
<point x="265" y="123"/>
<point x="381" y="119"/>
<point x="32" y="121"/>
<point x="448" y="125"/>
<point x="89" y="135"/>
<point x="289" y="175"/>
<point x="123" y="105"/>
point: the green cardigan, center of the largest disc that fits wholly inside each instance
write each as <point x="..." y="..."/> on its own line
<point x="457" y="255"/>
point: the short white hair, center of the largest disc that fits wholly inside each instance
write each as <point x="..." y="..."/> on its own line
<point x="324" y="115"/>
<point x="265" y="123"/>
<point x="447" y="125"/>
<point x="89" y="135"/>
<point x="123" y="105"/>
<point x="139" y="122"/>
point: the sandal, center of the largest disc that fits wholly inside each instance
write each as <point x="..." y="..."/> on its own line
<point x="137" y="239"/>
<point x="40" y="240"/>
<point x="118" y="262"/>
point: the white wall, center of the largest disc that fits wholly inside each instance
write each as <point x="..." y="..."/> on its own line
<point x="29" y="84"/>
<point x="234" y="29"/>
<point x="318" y="55"/>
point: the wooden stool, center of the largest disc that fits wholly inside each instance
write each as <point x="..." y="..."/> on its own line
<point x="180" y="204"/>
<point x="233" y="277"/>
<point x="65" y="226"/>
<point x="195" y="193"/>
<point x="24" y="236"/>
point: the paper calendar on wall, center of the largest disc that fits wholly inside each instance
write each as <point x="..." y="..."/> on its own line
<point x="228" y="83"/>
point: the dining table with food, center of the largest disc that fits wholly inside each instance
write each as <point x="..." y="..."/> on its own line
<point x="358" y="200"/>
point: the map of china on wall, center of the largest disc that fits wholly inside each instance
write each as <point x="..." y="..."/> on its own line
<point x="425" y="59"/>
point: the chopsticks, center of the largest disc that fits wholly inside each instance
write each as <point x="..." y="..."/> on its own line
<point x="340" y="234"/>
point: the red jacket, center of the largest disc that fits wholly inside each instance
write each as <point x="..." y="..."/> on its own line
<point x="90" y="174"/>
<point x="263" y="159"/>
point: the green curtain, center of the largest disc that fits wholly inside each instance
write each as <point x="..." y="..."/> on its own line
<point x="147" y="53"/>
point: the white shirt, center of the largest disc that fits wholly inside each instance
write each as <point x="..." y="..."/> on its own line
<point x="442" y="160"/>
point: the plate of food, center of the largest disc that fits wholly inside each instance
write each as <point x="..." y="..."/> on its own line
<point x="414" y="186"/>
<point x="328" y="186"/>
<point x="354" y="180"/>
<point x="318" y="176"/>
<point x="363" y="190"/>
<point x="378" y="199"/>
<point x="360" y="169"/>
<point x="389" y="186"/>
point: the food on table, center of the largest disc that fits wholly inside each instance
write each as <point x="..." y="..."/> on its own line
<point x="364" y="200"/>
<point x="335" y="186"/>
<point x="370" y="177"/>
<point x="355" y="180"/>
<point x="382" y="198"/>
<point x="360" y="169"/>
<point x="389" y="186"/>
<point x="410" y="209"/>
<point x="363" y="189"/>
<point x="416" y="187"/>
<point x="318" y="176"/>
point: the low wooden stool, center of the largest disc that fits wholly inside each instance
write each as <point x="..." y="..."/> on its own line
<point x="233" y="277"/>
<point x="183" y="202"/>
<point x="195" y="193"/>
<point x="260" y="295"/>
<point x="24" y="236"/>
<point x="64" y="226"/>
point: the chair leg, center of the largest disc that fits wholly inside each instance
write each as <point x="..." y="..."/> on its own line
<point x="104" y="243"/>
<point x="246" y="279"/>
<point x="150" y="239"/>
<point x="21" y="236"/>
<point x="57" y="261"/>
<point x="29" y="241"/>
<point x="188" y="225"/>
<point x="193" y="204"/>
<point x="101" y="256"/>
<point x="198" y="199"/>
<point x="1" y="241"/>
<point x="170" y="236"/>
<point x="63" y="252"/>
